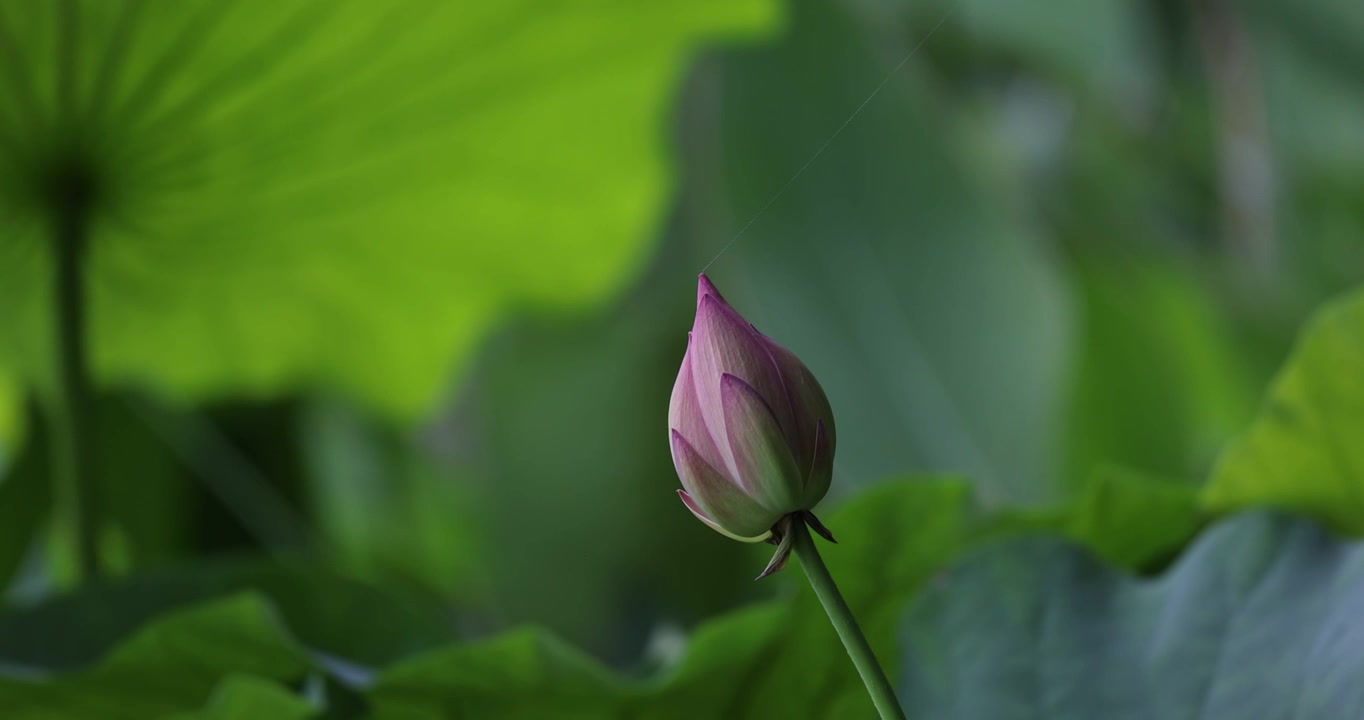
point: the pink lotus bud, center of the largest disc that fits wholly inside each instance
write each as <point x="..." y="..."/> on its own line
<point x="752" y="433"/>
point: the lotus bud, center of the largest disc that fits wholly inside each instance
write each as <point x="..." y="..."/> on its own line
<point x="751" y="431"/>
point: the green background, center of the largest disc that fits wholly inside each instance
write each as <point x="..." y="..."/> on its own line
<point x="385" y="302"/>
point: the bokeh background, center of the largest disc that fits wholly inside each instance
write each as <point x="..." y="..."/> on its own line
<point x="387" y="301"/>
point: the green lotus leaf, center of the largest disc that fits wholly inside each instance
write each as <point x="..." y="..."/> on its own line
<point x="1261" y="618"/>
<point x="321" y="193"/>
<point x="1303" y="452"/>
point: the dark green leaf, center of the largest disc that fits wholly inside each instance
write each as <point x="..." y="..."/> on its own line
<point x="327" y="611"/>
<point x="387" y="509"/>
<point x="245" y="697"/>
<point x="777" y="658"/>
<point x="723" y="657"/>
<point x="891" y="540"/>
<point x="25" y="498"/>
<point x="780" y="659"/>
<point x="143" y="490"/>
<point x="523" y="674"/>
<point x="170" y="665"/>
<point x="609" y="532"/>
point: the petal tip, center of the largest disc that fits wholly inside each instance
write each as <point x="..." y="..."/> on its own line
<point x="731" y="383"/>
<point x="695" y="508"/>
<point x="705" y="288"/>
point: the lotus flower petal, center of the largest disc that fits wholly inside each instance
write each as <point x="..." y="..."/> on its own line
<point x="705" y="287"/>
<point x="722" y="501"/>
<point x="684" y="415"/>
<point x="808" y="404"/>
<point x="723" y="343"/>
<point x="752" y="433"/>
<point x="766" y="469"/>
<point x="703" y="517"/>
<point x="820" y="472"/>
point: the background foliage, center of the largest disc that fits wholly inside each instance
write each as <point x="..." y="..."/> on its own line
<point x="386" y="301"/>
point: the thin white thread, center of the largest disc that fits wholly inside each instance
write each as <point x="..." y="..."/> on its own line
<point x="782" y="191"/>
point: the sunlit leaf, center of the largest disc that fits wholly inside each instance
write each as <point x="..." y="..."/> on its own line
<point x="11" y="417"/>
<point x="332" y="193"/>
<point x="1304" y="451"/>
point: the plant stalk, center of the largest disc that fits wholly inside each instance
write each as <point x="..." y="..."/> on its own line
<point x="71" y="427"/>
<point x="882" y="694"/>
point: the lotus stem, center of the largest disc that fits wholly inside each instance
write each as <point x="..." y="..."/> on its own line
<point x="882" y="694"/>
<point x="70" y="415"/>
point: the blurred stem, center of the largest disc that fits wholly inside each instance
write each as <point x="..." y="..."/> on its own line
<point x="1245" y="167"/>
<point x="882" y="694"/>
<point x="71" y="440"/>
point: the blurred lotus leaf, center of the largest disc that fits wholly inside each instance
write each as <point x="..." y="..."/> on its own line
<point x="1304" y="452"/>
<point x="289" y="194"/>
<point x="326" y="610"/>
<point x="11" y="417"/>
<point x="1262" y="618"/>
<point x="1157" y="347"/>
<point x="172" y="664"/>
<point x="1312" y="59"/>
<point x="757" y="662"/>
<point x="243" y="697"/>
<point x="1094" y="44"/>
<point x="897" y="268"/>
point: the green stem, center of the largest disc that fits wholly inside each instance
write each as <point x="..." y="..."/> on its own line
<point x="882" y="694"/>
<point x="71" y="429"/>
